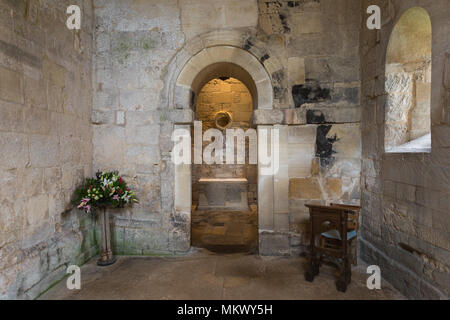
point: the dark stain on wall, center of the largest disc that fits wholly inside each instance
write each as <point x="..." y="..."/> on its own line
<point x="264" y="58"/>
<point x="324" y="146"/>
<point x="292" y="4"/>
<point x="348" y="94"/>
<point x="17" y="53"/>
<point x="248" y="44"/>
<point x="278" y="79"/>
<point x="315" y="117"/>
<point x="309" y="92"/>
<point x="284" y="23"/>
<point x="277" y="2"/>
<point x="192" y="99"/>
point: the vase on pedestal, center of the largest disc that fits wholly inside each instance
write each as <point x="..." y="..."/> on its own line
<point x="106" y="255"/>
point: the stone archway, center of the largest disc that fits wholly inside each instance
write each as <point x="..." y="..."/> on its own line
<point x="214" y="60"/>
<point x="207" y="64"/>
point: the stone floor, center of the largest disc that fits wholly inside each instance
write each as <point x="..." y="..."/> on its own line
<point x="226" y="231"/>
<point x="209" y="276"/>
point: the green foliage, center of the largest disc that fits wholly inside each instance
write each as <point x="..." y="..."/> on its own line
<point x="107" y="189"/>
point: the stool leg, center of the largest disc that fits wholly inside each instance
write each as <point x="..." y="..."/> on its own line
<point x="312" y="269"/>
<point x="345" y="277"/>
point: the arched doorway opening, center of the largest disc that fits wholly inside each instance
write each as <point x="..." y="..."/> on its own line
<point x="224" y="196"/>
<point x="214" y="63"/>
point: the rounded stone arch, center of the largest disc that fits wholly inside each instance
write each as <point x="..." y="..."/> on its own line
<point x="240" y="40"/>
<point x="218" y="61"/>
<point x="223" y="69"/>
<point x="232" y="53"/>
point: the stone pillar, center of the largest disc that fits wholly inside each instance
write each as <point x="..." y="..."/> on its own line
<point x="265" y="188"/>
<point x="273" y="189"/>
<point x="281" y="183"/>
<point x="182" y="201"/>
<point x="183" y="184"/>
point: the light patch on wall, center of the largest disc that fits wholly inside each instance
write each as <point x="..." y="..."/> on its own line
<point x="197" y="16"/>
<point x="408" y="84"/>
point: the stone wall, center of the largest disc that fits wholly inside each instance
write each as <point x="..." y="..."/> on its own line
<point x="405" y="225"/>
<point x="148" y="66"/>
<point x="46" y="140"/>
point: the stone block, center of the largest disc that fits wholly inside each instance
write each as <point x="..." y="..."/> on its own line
<point x="197" y="18"/>
<point x="281" y="220"/>
<point x="10" y="86"/>
<point x="273" y="244"/>
<point x="264" y="117"/>
<point x="102" y="117"/>
<point x="8" y="283"/>
<point x="15" y="150"/>
<point x="333" y="188"/>
<point x="423" y="93"/>
<point x="300" y="159"/>
<point x="281" y="177"/>
<point x="143" y="155"/>
<point x="348" y="143"/>
<point x="67" y="178"/>
<point x="296" y="71"/>
<point x="145" y="135"/>
<point x="183" y="184"/>
<point x="307" y="23"/>
<point x="53" y="72"/>
<point x="120" y="118"/>
<point x="405" y="192"/>
<point x="52" y="180"/>
<point x="30" y="181"/>
<point x="56" y="98"/>
<point x="446" y="113"/>
<point x="37" y="121"/>
<point x="265" y="190"/>
<point x="342" y="112"/>
<point x="304" y="188"/>
<point x="11" y="117"/>
<point x="398" y="106"/>
<point x="182" y="116"/>
<point x="44" y="151"/>
<point x="35" y="93"/>
<point x="344" y="167"/>
<point x="294" y="116"/>
<point x="447" y="71"/>
<point x="399" y="83"/>
<point x="36" y="211"/>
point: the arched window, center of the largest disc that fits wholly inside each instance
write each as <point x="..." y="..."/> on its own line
<point x="408" y="84"/>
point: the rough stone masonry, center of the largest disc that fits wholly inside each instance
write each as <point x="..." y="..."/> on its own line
<point x="109" y="96"/>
